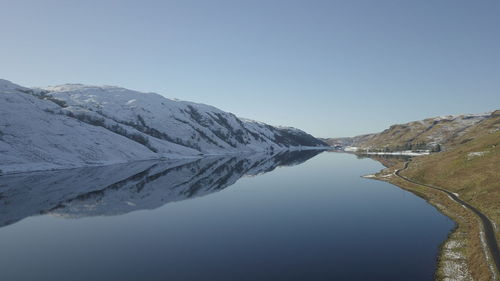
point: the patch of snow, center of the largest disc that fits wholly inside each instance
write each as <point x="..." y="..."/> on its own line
<point x="487" y="255"/>
<point x="454" y="265"/>
<point x="472" y="155"/>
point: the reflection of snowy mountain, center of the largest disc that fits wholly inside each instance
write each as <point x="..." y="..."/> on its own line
<point x="119" y="189"/>
<point x="77" y="125"/>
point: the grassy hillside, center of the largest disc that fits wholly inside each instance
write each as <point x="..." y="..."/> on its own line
<point x="438" y="133"/>
<point x="471" y="167"/>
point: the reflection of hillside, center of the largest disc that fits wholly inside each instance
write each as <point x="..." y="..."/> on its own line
<point x="386" y="160"/>
<point x="120" y="189"/>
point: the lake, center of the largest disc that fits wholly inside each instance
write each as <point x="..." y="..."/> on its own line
<point x="302" y="215"/>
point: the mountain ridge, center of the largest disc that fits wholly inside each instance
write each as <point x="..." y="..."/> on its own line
<point x="76" y="125"/>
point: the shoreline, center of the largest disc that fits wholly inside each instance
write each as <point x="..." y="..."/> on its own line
<point x="465" y="254"/>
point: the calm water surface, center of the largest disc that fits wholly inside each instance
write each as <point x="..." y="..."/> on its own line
<point x="292" y="216"/>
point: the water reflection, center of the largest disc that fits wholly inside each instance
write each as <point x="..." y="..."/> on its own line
<point x="386" y="160"/>
<point x="119" y="189"/>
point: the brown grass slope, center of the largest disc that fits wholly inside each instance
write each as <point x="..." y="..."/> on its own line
<point x="470" y="168"/>
<point x="445" y="130"/>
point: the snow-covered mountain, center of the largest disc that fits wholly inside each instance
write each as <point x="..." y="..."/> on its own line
<point x="76" y="125"/>
<point x="123" y="188"/>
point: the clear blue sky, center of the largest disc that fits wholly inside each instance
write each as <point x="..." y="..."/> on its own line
<point x="332" y="68"/>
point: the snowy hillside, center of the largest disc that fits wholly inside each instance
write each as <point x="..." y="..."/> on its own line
<point x="76" y="125"/>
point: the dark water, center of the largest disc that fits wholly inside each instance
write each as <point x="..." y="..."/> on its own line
<point x="236" y="218"/>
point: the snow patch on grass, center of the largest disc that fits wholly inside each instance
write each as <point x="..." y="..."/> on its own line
<point x="454" y="266"/>
<point x="487" y="254"/>
<point x="472" y="155"/>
